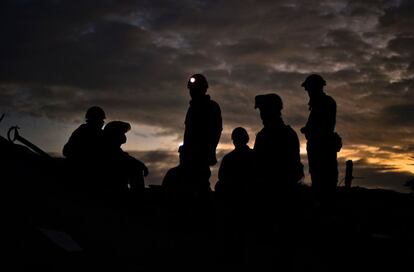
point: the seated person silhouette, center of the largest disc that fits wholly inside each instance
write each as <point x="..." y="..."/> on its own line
<point x="187" y="202"/>
<point x="178" y="183"/>
<point x="83" y="151"/>
<point x="86" y="141"/>
<point x="236" y="170"/>
<point x="123" y="173"/>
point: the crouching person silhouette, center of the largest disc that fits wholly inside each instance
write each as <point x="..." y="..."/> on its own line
<point x="124" y="174"/>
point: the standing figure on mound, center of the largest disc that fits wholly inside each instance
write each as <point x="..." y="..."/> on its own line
<point x="203" y="126"/>
<point x="322" y="141"/>
<point x="123" y="174"/>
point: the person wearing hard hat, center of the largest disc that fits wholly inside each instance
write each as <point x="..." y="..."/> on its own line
<point x="276" y="148"/>
<point x="203" y="126"/>
<point x="85" y="142"/>
<point x="278" y="173"/>
<point x="122" y="173"/>
<point x="322" y="141"/>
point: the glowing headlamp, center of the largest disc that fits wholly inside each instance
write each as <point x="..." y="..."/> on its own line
<point x="192" y="80"/>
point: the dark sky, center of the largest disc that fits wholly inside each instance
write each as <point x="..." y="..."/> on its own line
<point x="133" y="58"/>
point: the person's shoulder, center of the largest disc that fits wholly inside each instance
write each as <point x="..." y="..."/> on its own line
<point x="84" y="128"/>
<point x="228" y="156"/>
<point x="329" y="101"/>
<point x="213" y="104"/>
<point x="290" y="131"/>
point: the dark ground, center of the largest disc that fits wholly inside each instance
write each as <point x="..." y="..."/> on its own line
<point x="52" y="228"/>
<point x="369" y="230"/>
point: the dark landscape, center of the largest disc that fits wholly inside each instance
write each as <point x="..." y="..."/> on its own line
<point x="56" y="228"/>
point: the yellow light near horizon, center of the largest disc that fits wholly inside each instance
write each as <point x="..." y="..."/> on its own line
<point x="395" y="162"/>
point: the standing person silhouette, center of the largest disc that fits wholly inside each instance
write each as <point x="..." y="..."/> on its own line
<point x="276" y="148"/>
<point x="278" y="172"/>
<point x="322" y="141"/>
<point x="203" y="126"/>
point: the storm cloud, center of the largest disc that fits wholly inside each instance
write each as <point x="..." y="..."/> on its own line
<point x="133" y="58"/>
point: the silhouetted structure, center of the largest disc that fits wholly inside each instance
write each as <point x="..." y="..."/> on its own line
<point x="348" y="174"/>
<point x="322" y="141"/>
<point x="203" y="126"/>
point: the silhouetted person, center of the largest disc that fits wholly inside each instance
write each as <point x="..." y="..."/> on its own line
<point x="203" y="126"/>
<point x="276" y="148"/>
<point x="189" y="211"/>
<point x="236" y="169"/>
<point x="278" y="172"/>
<point x="86" y="141"/>
<point x="232" y="191"/>
<point x="322" y="141"/>
<point x="83" y="151"/>
<point x="123" y="174"/>
<point x="178" y="181"/>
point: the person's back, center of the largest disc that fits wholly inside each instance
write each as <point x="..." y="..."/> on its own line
<point x="277" y="149"/>
<point x="236" y="170"/>
<point x="277" y="152"/>
<point x="83" y="152"/>
<point x="85" y="142"/>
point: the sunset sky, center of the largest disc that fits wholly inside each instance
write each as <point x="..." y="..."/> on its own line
<point x="133" y="58"/>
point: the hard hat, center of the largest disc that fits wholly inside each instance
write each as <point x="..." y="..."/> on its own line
<point x="95" y="113"/>
<point x="314" y="80"/>
<point x="269" y="101"/>
<point x="117" y="128"/>
<point x="197" y="81"/>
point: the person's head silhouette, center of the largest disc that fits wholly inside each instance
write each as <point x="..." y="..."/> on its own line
<point x="240" y="137"/>
<point x="95" y="116"/>
<point x="270" y="107"/>
<point x="314" y="84"/>
<point x="114" y="132"/>
<point x="198" y="85"/>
